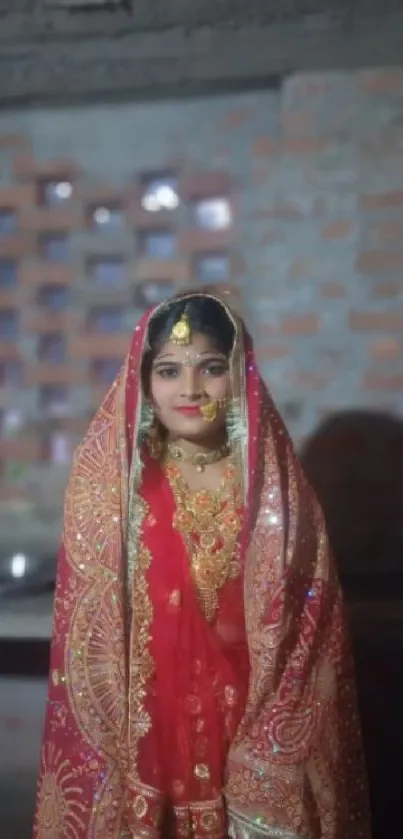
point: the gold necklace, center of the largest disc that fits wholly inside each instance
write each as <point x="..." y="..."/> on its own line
<point x="210" y="523"/>
<point x="198" y="459"/>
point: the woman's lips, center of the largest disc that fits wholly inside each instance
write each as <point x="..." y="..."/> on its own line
<point x="189" y="410"/>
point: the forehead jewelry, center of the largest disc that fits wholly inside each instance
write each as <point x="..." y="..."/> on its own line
<point x="181" y="332"/>
<point x="191" y="360"/>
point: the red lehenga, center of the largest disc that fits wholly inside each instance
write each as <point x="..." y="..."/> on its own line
<point x="181" y="708"/>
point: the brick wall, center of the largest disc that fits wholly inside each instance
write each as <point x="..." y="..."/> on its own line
<point x="314" y="174"/>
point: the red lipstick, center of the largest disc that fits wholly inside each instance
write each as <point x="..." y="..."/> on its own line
<point x="189" y="410"/>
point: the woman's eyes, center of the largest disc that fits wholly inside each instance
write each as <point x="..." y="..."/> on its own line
<point x="167" y="372"/>
<point x="213" y="369"/>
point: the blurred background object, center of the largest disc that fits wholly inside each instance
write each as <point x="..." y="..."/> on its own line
<point x="254" y="147"/>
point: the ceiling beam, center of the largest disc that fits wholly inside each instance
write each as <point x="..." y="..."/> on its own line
<point x="179" y="63"/>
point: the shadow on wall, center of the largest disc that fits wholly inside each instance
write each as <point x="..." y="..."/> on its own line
<point x="354" y="461"/>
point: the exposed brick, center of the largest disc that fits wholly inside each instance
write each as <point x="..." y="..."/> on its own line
<point x="287" y="210"/>
<point x="16" y="247"/>
<point x="74" y="425"/>
<point x="197" y="241"/>
<point x="306" y="324"/>
<point x="17" y="197"/>
<point x="43" y="373"/>
<point x="236" y="118"/>
<point x="142" y="220"/>
<point x="98" y="345"/>
<point x="228" y="291"/>
<point x="381" y="81"/>
<point x="308" y="379"/>
<point x="43" y="323"/>
<point x="14" y="141"/>
<point x="271" y="352"/>
<point x="9" y="298"/>
<point x="27" y="168"/>
<point x="177" y="270"/>
<point x="305" y="145"/>
<point x="223" y="153"/>
<point x="386" y="349"/>
<point x="205" y="185"/>
<point x="9" y="351"/>
<point x="389" y="231"/>
<point x="52" y="219"/>
<point x="367" y="321"/>
<point x="266" y="146"/>
<point x="270" y="237"/>
<point x="105" y="194"/>
<point x="41" y="274"/>
<point x="23" y="449"/>
<point x="298" y="122"/>
<point x="11" y="494"/>
<point x="97" y="395"/>
<point x="260" y="173"/>
<point x="306" y="85"/>
<point x="333" y="291"/>
<point x="301" y="206"/>
<point x="387" y="290"/>
<point x="383" y="381"/>
<point x="381" y="200"/>
<point x="299" y="268"/>
<point x="339" y="229"/>
<point x="237" y="264"/>
<point x="374" y="262"/>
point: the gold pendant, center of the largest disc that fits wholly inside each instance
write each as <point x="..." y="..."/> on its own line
<point x="200" y="463"/>
<point x="181" y="332"/>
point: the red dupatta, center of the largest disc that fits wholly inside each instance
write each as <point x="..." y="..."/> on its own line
<point x="294" y="766"/>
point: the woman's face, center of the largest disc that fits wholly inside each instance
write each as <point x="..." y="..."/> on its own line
<point x="183" y="380"/>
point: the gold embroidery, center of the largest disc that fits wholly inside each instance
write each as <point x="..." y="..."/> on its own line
<point x="95" y="665"/>
<point x="60" y="810"/>
<point x="210" y="524"/>
<point x="202" y="771"/>
<point x="174" y="599"/>
<point x="144" y="811"/>
<point x="201" y="819"/>
<point x="141" y="662"/>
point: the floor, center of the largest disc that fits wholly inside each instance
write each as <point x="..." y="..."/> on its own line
<point x="22" y="704"/>
<point x="379" y="649"/>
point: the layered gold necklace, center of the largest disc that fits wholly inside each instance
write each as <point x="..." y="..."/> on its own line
<point x="198" y="459"/>
<point x="210" y="524"/>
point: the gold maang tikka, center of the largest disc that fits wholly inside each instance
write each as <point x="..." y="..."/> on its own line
<point x="181" y="333"/>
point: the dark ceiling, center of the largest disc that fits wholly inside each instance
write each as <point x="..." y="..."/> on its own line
<point x="71" y="50"/>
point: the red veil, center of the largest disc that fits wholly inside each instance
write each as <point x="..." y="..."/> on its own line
<point x="283" y="752"/>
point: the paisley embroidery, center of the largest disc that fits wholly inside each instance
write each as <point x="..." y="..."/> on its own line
<point x="60" y="813"/>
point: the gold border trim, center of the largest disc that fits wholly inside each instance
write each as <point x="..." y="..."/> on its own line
<point x="242" y="827"/>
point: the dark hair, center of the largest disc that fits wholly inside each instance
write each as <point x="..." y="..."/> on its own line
<point x="206" y="316"/>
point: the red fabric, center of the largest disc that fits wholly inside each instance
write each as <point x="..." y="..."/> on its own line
<point x="192" y="666"/>
<point x="295" y="762"/>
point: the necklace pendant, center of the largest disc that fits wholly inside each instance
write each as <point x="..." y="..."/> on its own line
<point x="200" y="468"/>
